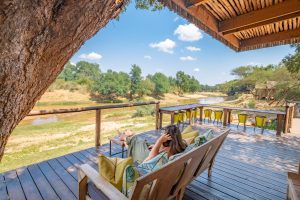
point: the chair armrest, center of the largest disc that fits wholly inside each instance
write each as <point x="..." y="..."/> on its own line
<point x="104" y="186"/>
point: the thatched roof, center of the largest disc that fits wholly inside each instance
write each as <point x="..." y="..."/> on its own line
<point x="243" y="24"/>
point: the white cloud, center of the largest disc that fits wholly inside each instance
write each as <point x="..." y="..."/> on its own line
<point x="191" y="48"/>
<point x="148" y="57"/>
<point x="254" y="63"/>
<point x="166" y="46"/>
<point x="196" y="69"/>
<point x="187" y="58"/>
<point x="188" y="32"/>
<point x="72" y="63"/>
<point x="91" y="56"/>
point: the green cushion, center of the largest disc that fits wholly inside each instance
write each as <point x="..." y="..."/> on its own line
<point x="187" y="130"/>
<point x="190" y="136"/>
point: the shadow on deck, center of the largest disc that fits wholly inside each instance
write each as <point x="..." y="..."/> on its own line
<point x="248" y="166"/>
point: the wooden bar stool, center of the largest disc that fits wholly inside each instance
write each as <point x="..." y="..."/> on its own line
<point x="207" y="114"/>
<point x="260" y="121"/>
<point x="218" y="116"/>
<point x="242" y="118"/>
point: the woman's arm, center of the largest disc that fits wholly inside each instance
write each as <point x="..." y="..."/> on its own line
<point x="155" y="149"/>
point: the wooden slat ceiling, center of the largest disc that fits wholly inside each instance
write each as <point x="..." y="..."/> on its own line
<point x="243" y="24"/>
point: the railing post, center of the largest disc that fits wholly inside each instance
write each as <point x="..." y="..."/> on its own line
<point x="157" y="126"/>
<point x="225" y="117"/>
<point x="201" y="113"/>
<point x="286" y="120"/>
<point x="98" y="128"/>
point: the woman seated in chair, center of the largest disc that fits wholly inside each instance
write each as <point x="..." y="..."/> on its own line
<point x="168" y="144"/>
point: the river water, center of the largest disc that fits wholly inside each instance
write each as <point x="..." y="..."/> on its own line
<point x="211" y="100"/>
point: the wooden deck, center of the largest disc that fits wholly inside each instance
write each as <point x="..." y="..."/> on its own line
<point x="247" y="167"/>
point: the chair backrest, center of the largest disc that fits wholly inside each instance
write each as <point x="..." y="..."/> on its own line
<point x="242" y="118"/>
<point x="207" y="112"/>
<point x="218" y="114"/>
<point x="166" y="182"/>
<point x="260" y="120"/>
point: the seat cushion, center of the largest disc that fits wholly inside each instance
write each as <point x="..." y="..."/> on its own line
<point x="112" y="169"/>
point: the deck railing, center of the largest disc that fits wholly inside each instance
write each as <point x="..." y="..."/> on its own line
<point x="98" y="110"/>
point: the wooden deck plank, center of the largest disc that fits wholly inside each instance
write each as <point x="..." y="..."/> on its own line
<point x="14" y="188"/>
<point x="42" y="183"/>
<point x="64" y="175"/>
<point x="242" y="170"/>
<point x="250" y="183"/>
<point x="3" y="189"/>
<point x="58" y="185"/>
<point x="30" y="189"/>
<point x="71" y="169"/>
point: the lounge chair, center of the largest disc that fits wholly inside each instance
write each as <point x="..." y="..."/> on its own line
<point x="168" y="182"/>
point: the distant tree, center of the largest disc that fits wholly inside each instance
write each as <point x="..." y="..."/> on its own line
<point x="292" y="61"/>
<point x="194" y="85"/>
<point x="68" y="73"/>
<point x="147" y="87"/>
<point x="135" y="78"/>
<point x="243" y="71"/>
<point x="161" y="83"/>
<point x="87" y="70"/>
<point x="112" y="85"/>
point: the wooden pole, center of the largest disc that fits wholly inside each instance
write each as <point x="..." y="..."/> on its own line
<point x="157" y="115"/>
<point x="279" y="124"/>
<point x="286" y="120"/>
<point x="225" y="117"/>
<point x="229" y="117"/>
<point x="98" y="128"/>
<point x="201" y="113"/>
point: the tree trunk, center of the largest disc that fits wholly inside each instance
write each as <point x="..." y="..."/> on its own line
<point x="36" y="39"/>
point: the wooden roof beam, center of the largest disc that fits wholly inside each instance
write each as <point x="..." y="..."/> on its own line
<point x="268" y="40"/>
<point x="202" y="18"/>
<point x="190" y="3"/>
<point x="281" y="11"/>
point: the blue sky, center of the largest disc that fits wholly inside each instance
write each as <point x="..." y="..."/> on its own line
<point x="162" y="41"/>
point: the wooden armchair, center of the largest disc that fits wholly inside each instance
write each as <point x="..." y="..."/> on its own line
<point x="166" y="183"/>
<point x="293" y="190"/>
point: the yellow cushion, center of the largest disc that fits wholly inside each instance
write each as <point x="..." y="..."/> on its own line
<point x="112" y="169"/>
<point x="187" y="129"/>
<point x="190" y="136"/>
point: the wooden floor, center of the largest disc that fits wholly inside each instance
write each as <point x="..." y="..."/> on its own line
<point x="249" y="166"/>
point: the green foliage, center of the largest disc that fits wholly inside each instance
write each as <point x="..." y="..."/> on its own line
<point x="251" y="104"/>
<point x="147" y="87"/>
<point x="161" y="83"/>
<point x="84" y="73"/>
<point x="153" y="5"/>
<point x="136" y="79"/>
<point x="186" y="83"/>
<point x="112" y="85"/>
<point x="143" y="111"/>
<point x="292" y="62"/>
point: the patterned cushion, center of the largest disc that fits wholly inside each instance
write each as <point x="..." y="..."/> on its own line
<point x="112" y="169"/>
<point x="154" y="164"/>
<point x="129" y="176"/>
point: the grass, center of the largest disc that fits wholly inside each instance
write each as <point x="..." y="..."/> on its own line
<point x="71" y="132"/>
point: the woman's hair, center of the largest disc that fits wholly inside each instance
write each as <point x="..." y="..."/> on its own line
<point x="177" y="144"/>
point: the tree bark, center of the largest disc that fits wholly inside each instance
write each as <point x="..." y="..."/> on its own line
<point x="36" y="39"/>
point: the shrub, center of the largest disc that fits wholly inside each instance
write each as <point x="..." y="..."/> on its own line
<point x="251" y="104"/>
<point x="143" y="111"/>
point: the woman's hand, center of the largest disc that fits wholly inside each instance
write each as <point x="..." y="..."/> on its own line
<point x="164" y="138"/>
